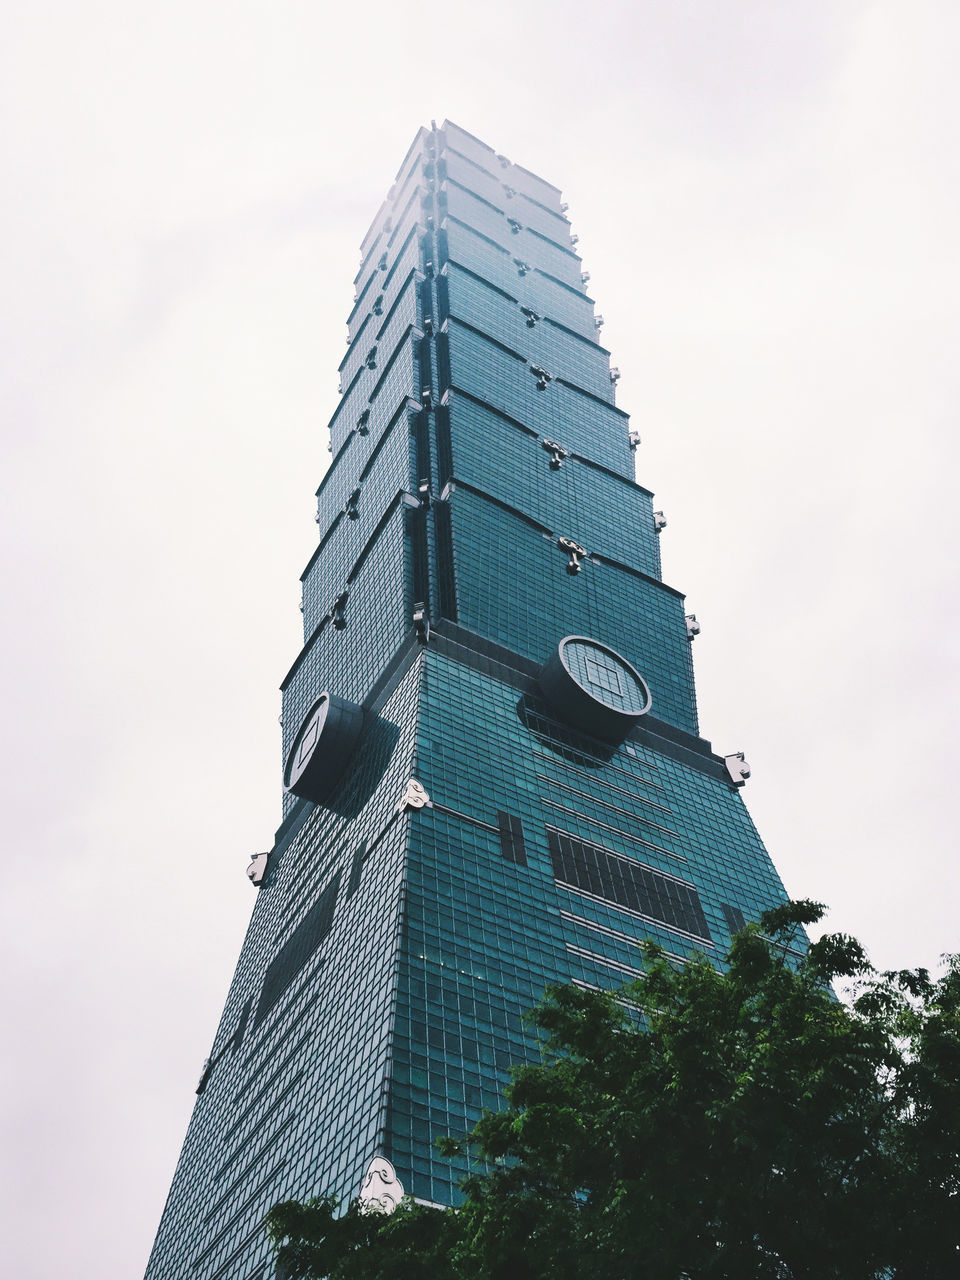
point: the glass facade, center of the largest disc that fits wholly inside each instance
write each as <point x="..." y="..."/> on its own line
<point x="486" y="830"/>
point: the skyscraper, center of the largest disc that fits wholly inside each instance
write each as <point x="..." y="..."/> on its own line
<point x="493" y="773"/>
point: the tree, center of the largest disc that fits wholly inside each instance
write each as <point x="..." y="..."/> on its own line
<point x="742" y="1124"/>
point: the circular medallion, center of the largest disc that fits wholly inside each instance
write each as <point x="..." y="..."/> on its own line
<point x="321" y="747"/>
<point x="298" y="759"/>
<point x="592" y="687"/>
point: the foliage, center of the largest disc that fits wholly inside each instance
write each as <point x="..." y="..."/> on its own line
<point x="735" y="1125"/>
<point x="412" y="1243"/>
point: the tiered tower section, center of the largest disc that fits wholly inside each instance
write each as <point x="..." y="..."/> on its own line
<point x="494" y="775"/>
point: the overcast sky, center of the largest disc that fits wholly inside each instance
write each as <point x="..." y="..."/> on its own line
<point x="767" y="200"/>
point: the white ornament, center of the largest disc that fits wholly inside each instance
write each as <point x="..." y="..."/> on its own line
<point x="382" y="1190"/>
<point x="257" y="868"/>
<point x="737" y="768"/>
<point x="414" y="797"/>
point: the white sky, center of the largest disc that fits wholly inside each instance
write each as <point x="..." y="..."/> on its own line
<point x="767" y="200"/>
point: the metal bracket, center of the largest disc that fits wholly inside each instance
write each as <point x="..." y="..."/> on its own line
<point x="634" y="438"/>
<point x="576" y="553"/>
<point x="352" y="504"/>
<point x="530" y="315"/>
<point x="363" y="423"/>
<point x="543" y="378"/>
<point x="659" y="521"/>
<point x="693" y="626"/>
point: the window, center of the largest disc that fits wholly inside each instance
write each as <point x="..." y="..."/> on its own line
<point x="511" y="838"/>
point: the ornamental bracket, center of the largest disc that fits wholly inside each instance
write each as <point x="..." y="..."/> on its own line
<point x="382" y="1190"/>
<point x="737" y="768"/>
<point x="414" y="797"/>
<point x="576" y="553"/>
<point x="257" y="869"/>
<point x="338" y="610"/>
<point x="421" y="623"/>
<point x="557" y="453"/>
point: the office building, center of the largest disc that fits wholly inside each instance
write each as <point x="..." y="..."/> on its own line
<point x="494" y="777"/>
